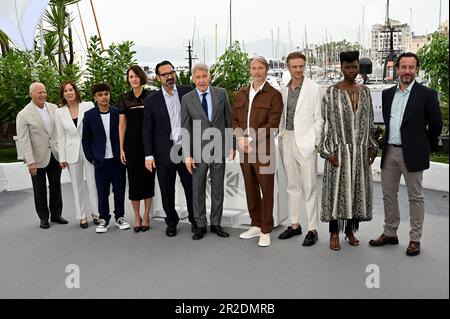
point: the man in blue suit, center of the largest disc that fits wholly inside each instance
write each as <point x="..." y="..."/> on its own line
<point x="101" y="148"/>
<point x="413" y="122"/>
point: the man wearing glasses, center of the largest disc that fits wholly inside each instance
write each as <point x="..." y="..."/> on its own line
<point x="162" y="143"/>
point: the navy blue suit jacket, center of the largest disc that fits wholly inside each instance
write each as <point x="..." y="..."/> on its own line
<point x="94" y="136"/>
<point x="156" y="129"/>
<point x="420" y="128"/>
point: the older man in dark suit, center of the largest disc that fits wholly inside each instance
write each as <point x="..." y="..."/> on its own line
<point x="413" y="122"/>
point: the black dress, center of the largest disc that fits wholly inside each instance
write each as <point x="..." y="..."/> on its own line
<point x="141" y="182"/>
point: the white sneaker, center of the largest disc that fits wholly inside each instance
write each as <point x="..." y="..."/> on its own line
<point x="264" y="240"/>
<point x="251" y="233"/>
<point x="102" y="227"/>
<point x="122" y="223"/>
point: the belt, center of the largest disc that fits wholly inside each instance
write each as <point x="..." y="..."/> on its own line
<point x="396" y="145"/>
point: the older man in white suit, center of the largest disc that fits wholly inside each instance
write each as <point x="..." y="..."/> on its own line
<point x="37" y="136"/>
<point x="300" y="131"/>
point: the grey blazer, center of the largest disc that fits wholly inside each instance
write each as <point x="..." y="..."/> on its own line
<point x="36" y="142"/>
<point x="196" y="123"/>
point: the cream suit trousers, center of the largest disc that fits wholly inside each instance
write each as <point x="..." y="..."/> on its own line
<point x="301" y="181"/>
<point x="85" y="198"/>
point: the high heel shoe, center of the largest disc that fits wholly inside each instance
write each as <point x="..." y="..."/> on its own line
<point x="138" y="228"/>
<point x="334" y="242"/>
<point x="145" y="227"/>
<point x="352" y="240"/>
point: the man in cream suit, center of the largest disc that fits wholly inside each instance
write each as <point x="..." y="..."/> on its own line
<point x="206" y="116"/>
<point x="38" y="140"/>
<point x="300" y="130"/>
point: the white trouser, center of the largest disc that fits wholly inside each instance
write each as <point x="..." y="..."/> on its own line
<point x="301" y="181"/>
<point x="85" y="198"/>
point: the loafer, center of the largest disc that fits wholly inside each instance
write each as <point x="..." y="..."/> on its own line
<point x="310" y="238"/>
<point x="44" y="224"/>
<point x="413" y="248"/>
<point x="219" y="231"/>
<point x="290" y="232"/>
<point x="384" y="240"/>
<point x="171" y="231"/>
<point x="58" y="220"/>
<point x="199" y="233"/>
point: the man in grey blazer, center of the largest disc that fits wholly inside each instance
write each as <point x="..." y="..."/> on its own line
<point x="205" y="118"/>
<point x="38" y="140"/>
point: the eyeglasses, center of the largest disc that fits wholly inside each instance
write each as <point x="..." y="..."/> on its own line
<point x="166" y="75"/>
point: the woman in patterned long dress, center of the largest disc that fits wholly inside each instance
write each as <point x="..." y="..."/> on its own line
<point x="349" y="148"/>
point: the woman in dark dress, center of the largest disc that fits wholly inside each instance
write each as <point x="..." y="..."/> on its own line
<point x="141" y="182"/>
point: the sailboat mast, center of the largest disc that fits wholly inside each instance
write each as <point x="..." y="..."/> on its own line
<point x="82" y="26"/>
<point x="231" y="37"/>
<point x="96" y="23"/>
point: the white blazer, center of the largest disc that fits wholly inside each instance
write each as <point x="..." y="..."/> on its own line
<point x="36" y="141"/>
<point x="69" y="136"/>
<point x="308" y="117"/>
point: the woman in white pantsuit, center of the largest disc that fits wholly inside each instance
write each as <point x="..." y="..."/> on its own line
<point x="69" y="122"/>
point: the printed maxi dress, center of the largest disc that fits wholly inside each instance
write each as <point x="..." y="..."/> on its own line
<point x="348" y="134"/>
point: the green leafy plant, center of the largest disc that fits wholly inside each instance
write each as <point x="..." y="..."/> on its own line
<point x="108" y="66"/>
<point x="16" y="77"/>
<point x="434" y="62"/>
<point x="232" y="70"/>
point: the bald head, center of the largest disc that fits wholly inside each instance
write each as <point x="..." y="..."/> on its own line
<point x="38" y="94"/>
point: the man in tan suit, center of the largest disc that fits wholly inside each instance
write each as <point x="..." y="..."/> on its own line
<point x="38" y="140"/>
<point x="256" y="115"/>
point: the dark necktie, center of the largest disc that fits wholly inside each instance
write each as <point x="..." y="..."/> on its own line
<point x="205" y="104"/>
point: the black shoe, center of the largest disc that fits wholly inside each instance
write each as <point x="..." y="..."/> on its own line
<point x="219" y="231"/>
<point x="194" y="227"/>
<point x="171" y="231"/>
<point x="137" y="229"/>
<point x="96" y="219"/>
<point x="84" y="225"/>
<point x="199" y="233"/>
<point x="290" y="232"/>
<point x="145" y="228"/>
<point x="310" y="238"/>
<point x="44" y="224"/>
<point x="58" y="220"/>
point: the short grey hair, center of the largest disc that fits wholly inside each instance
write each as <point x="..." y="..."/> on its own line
<point x="34" y="85"/>
<point x="260" y="59"/>
<point x="200" y="66"/>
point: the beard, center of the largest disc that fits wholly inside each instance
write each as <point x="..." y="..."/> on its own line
<point x="407" y="79"/>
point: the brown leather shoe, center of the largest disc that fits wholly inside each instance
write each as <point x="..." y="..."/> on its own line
<point x="413" y="248"/>
<point x="334" y="241"/>
<point x="352" y="240"/>
<point x="384" y="240"/>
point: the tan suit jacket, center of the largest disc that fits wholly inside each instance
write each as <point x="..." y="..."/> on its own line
<point x="35" y="139"/>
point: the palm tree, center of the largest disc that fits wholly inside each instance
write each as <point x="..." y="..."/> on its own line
<point x="56" y="17"/>
<point x="4" y="43"/>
